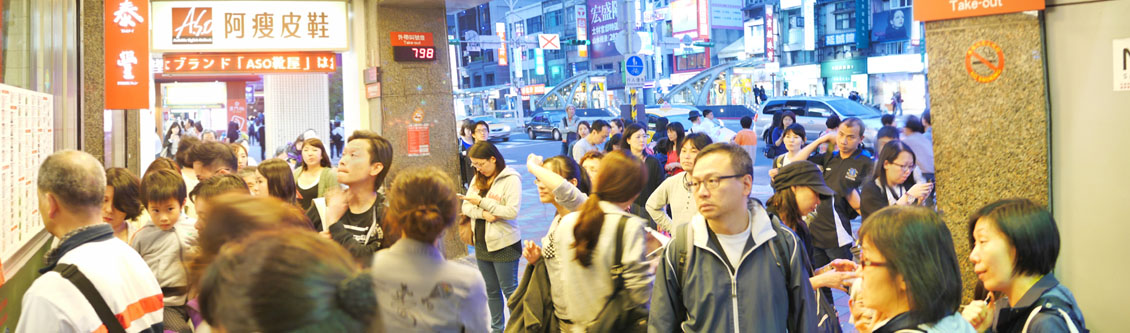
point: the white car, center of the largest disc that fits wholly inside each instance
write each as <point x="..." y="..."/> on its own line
<point x="813" y="112"/>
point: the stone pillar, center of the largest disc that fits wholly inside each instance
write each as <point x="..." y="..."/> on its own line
<point x="407" y="87"/>
<point x="93" y="78"/>
<point x="990" y="137"/>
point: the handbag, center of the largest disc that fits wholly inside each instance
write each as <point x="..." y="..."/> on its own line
<point x="620" y="314"/>
<point x="466" y="230"/>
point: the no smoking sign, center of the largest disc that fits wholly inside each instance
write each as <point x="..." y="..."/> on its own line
<point x="984" y="61"/>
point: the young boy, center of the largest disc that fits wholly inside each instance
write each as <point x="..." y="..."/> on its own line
<point x="165" y="242"/>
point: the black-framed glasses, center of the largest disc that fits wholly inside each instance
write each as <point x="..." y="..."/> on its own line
<point x="711" y="183"/>
<point x="869" y="263"/>
<point x="904" y="168"/>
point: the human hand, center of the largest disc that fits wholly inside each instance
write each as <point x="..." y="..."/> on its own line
<point x="489" y="217"/>
<point x="839" y="265"/>
<point x="863" y="318"/>
<point x="772" y="173"/>
<point x="531" y="252"/>
<point x="337" y="203"/>
<point x="832" y="279"/>
<point x="534" y="161"/>
<point x="977" y="314"/>
<point x="672" y="166"/>
<point x="920" y="191"/>
<point x="473" y="200"/>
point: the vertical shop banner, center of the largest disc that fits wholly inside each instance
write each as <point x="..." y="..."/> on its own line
<point x="500" y="31"/>
<point x="237" y="104"/>
<point x="809" y="12"/>
<point x="604" y="25"/>
<point x="127" y="54"/>
<point x="703" y="10"/>
<point x="582" y="30"/>
<point x="770" y="34"/>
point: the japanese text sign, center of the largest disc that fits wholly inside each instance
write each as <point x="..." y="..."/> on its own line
<point x="411" y="39"/>
<point x="943" y="10"/>
<point x="250" y="63"/>
<point x="250" y="26"/>
<point x="127" y="54"/>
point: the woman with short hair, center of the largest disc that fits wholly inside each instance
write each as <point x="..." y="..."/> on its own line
<point x="1015" y="247"/>
<point x="910" y="278"/>
<point x="121" y="208"/>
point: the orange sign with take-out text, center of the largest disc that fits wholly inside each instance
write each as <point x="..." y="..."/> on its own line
<point x="934" y="10"/>
<point x="411" y="39"/>
<point x="298" y="62"/>
<point x="126" y="54"/>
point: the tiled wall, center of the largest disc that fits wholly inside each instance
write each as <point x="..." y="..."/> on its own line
<point x="292" y="104"/>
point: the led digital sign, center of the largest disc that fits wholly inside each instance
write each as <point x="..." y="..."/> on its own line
<point x="414" y="53"/>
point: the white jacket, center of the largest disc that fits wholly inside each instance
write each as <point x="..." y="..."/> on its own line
<point x="673" y="191"/>
<point x="53" y="304"/>
<point x="588" y="288"/>
<point x="502" y="200"/>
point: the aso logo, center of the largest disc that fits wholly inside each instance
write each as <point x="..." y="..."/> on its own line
<point x="192" y="25"/>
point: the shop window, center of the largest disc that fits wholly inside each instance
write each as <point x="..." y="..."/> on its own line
<point x="478" y="81"/>
<point x="533" y="24"/>
<point x="902" y="3"/>
<point x="845" y="5"/>
<point x="490" y="79"/>
<point x="845" y="21"/>
<point x="553" y="19"/>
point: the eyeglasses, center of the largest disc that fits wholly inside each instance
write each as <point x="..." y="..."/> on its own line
<point x="479" y="165"/>
<point x="869" y="263"/>
<point x="711" y="183"/>
<point x="904" y="168"/>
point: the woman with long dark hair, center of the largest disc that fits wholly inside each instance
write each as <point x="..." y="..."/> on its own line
<point x="280" y="180"/>
<point x="492" y="202"/>
<point x="778" y="134"/>
<point x="585" y="244"/>
<point x="891" y="182"/>
<point x="669" y="146"/>
<point x="315" y="175"/>
<point x="635" y="142"/>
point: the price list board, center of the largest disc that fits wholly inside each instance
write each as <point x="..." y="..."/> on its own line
<point x="26" y="138"/>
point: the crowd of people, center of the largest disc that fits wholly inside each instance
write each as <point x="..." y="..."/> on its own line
<point x="660" y="237"/>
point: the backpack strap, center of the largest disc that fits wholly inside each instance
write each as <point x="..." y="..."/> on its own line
<point x="617" y="266"/>
<point x="1054" y="305"/>
<point x="72" y="274"/>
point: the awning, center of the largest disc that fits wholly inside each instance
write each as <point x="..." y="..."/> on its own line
<point x="734" y="50"/>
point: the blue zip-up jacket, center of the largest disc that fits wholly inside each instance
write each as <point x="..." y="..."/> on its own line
<point x="758" y="297"/>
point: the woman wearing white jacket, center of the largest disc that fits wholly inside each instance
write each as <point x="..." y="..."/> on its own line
<point x="585" y="243"/>
<point x="493" y="201"/>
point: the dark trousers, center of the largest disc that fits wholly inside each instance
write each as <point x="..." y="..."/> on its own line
<point x="823" y="257"/>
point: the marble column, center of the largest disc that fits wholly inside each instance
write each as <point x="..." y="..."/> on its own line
<point x="93" y="78"/>
<point x="411" y="86"/>
<point x="991" y="134"/>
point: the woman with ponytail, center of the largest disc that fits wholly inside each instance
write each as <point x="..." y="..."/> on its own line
<point x="288" y="280"/>
<point x="585" y="243"/>
<point x="451" y="296"/>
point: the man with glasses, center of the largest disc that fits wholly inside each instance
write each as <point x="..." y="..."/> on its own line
<point x="731" y="269"/>
<point x="845" y="169"/>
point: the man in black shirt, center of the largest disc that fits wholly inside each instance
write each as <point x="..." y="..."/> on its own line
<point x="356" y="214"/>
<point x="844" y="171"/>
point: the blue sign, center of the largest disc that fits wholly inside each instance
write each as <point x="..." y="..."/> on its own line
<point x="634" y="66"/>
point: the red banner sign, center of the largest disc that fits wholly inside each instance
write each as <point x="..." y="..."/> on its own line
<point x="411" y="39"/>
<point x="127" y="54"/>
<point x="249" y="63"/>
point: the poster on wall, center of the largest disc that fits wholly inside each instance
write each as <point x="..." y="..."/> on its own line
<point x="604" y="27"/>
<point x="26" y="138"/>
<point x="891" y="25"/>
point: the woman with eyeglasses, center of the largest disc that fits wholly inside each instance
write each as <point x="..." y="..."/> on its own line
<point x="892" y="183"/>
<point x="910" y="278"/>
<point x="635" y="141"/>
<point x="492" y="202"/>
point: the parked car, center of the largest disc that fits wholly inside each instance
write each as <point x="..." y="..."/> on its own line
<point x="812" y="112"/>
<point x="545" y="123"/>
<point x="498" y="130"/>
<point x="548" y="123"/>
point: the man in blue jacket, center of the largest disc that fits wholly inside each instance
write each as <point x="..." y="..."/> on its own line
<point x="731" y="269"/>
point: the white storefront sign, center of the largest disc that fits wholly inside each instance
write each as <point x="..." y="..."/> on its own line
<point x="902" y="63"/>
<point x="210" y="26"/>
